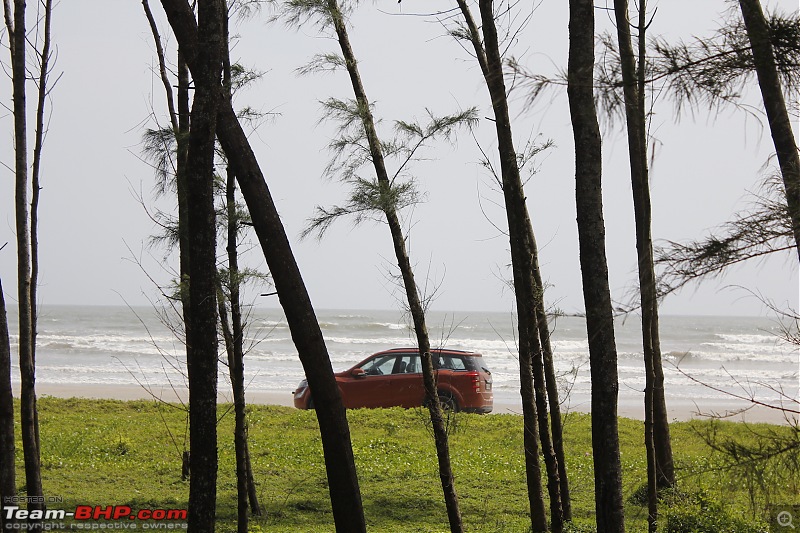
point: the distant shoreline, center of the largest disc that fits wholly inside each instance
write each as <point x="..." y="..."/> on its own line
<point x="12" y="311"/>
<point x="680" y="410"/>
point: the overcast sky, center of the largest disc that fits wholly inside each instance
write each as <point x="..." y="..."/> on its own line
<point x="92" y="225"/>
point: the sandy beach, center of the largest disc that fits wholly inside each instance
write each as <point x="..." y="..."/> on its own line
<point x="733" y="410"/>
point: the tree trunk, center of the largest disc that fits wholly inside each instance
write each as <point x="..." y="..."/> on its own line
<point x="552" y="393"/>
<point x="637" y="148"/>
<point x="779" y="122"/>
<point x="181" y="140"/>
<point x="28" y="416"/>
<point x="527" y="284"/>
<point x="235" y="346"/>
<point x="8" y="479"/>
<point x="42" y="91"/>
<point x="179" y="120"/>
<point x="662" y="441"/>
<point x="339" y="461"/>
<point x="201" y="342"/>
<point x="412" y="293"/>
<point x="534" y="407"/>
<point x="181" y="185"/>
<point x="594" y="269"/>
<point x="236" y="366"/>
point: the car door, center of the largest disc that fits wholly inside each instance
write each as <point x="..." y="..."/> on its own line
<point x="407" y="389"/>
<point x="372" y="388"/>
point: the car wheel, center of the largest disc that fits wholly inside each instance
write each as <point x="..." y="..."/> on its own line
<point x="448" y="402"/>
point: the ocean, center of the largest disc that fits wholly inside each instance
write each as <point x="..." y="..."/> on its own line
<point x="706" y="359"/>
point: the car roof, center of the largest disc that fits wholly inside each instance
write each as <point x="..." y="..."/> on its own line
<point x="445" y="351"/>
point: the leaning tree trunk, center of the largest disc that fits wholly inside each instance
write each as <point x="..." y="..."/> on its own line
<point x="594" y="269"/>
<point x="412" y="293"/>
<point x="637" y="150"/>
<point x="29" y="427"/>
<point x="307" y="336"/>
<point x="780" y="124"/>
<point x="201" y="341"/>
<point x="8" y="483"/>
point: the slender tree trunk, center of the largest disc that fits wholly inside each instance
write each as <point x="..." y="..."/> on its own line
<point x="307" y="336"/>
<point x="43" y="89"/>
<point x="775" y="105"/>
<point x="201" y="341"/>
<point x="8" y="479"/>
<point x="662" y="441"/>
<point x="552" y="394"/>
<point x="428" y="376"/>
<point x="412" y="293"/>
<point x="29" y="428"/>
<point x="594" y="269"/>
<point x="637" y="150"/>
<point x="236" y="366"/>
<point x="523" y="255"/>
<point x="240" y="425"/>
<point x="179" y="120"/>
<point x="235" y="347"/>
<point x="252" y="493"/>
<point x="527" y="285"/>
<point x="182" y="138"/>
<point x="181" y="185"/>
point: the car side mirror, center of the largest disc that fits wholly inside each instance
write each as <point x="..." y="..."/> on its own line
<point x="358" y="373"/>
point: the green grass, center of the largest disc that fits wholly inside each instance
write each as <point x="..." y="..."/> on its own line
<point x="101" y="452"/>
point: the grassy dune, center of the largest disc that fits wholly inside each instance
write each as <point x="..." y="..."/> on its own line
<point x="103" y="452"/>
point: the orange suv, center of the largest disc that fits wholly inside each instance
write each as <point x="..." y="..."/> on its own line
<point x="393" y="378"/>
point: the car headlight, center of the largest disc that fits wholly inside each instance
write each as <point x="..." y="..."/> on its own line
<point x="301" y="389"/>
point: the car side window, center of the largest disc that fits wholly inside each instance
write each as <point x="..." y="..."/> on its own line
<point x="457" y="363"/>
<point x="449" y="362"/>
<point x="380" y="365"/>
<point x="407" y="364"/>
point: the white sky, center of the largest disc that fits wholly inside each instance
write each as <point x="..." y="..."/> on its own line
<point x="90" y="216"/>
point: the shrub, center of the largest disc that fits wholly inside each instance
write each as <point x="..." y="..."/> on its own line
<point x="698" y="514"/>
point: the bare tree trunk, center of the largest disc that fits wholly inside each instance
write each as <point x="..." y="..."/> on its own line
<point x="201" y="341"/>
<point x="662" y="441"/>
<point x="412" y="292"/>
<point x="522" y="258"/>
<point x="775" y="105"/>
<point x="43" y="89"/>
<point x="552" y="394"/>
<point x="637" y="149"/>
<point x="527" y="285"/>
<point x="339" y="461"/>
<point x="235" y="346"/>
<point x="30" y="430"/>
<point x="8" y="477"/>
<point x="235" y="349"/>
<point x="179" y="120"/>
<point x="594" y="269"/>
